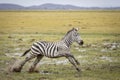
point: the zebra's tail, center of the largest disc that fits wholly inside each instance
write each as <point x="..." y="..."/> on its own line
<point x="25" y="52"/>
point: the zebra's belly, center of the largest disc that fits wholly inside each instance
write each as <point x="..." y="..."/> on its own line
<point x="56" y="54"/>
<point x="50" y="54"/>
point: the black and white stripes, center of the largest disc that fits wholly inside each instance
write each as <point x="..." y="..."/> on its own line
<point x="52" y="49"/>
<point x="44" y="48"/>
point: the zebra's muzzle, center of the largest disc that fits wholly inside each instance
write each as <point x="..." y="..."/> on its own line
<point x="81" y="42"/>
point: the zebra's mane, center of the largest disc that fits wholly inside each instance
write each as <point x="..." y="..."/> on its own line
<point x="67" y="33"/>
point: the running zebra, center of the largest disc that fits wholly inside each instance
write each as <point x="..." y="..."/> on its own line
<point x="52" y="50"/>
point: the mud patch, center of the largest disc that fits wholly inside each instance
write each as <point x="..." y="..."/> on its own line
<point x="57" y="62"/>
<point x="106" y="58"/>
<point x="13" y="55"/>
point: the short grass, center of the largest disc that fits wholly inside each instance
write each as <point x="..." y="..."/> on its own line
<point x="59" y="21"/>
<point x="19" y="29"/>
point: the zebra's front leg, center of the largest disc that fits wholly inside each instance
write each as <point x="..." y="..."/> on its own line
<point x="72" y="61"/>
<point x="33" y="66"/>
<point x="75" y="60"/>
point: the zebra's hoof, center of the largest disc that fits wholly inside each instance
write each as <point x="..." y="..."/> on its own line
<point x="79" y="70"/>
<point x="15" y="70"/>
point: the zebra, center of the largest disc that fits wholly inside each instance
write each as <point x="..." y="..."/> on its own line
<point x="58" y="49"/>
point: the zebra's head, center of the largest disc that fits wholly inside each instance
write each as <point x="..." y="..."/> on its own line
<point x="76" y="36"/>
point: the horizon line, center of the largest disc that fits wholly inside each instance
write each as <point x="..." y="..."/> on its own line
<point x="64" y="5"/>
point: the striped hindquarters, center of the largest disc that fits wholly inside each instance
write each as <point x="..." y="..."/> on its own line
<point x="47" y="49"/>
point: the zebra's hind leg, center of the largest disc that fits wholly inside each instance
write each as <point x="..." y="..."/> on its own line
<point x="34" y="64"/>
<point x="18" y="67"/>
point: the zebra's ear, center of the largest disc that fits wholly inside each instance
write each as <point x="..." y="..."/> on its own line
<point x="76" y="29"/>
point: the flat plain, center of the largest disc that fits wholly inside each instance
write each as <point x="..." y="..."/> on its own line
<point x="99" y="56"/>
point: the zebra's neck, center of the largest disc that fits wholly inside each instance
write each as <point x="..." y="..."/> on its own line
<point x="67" y="40"/>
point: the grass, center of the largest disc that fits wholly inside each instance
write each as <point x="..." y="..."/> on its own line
<point x="88" y="21"/>
<point x="19" y="29"/>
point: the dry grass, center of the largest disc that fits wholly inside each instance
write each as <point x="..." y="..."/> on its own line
<point x="59" y="21"/>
